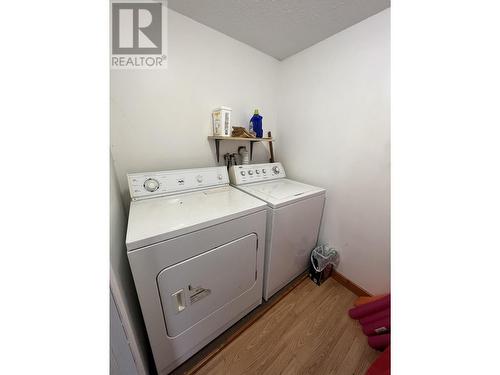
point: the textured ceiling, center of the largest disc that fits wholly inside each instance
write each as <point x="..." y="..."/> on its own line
<point x="279" y="28"/>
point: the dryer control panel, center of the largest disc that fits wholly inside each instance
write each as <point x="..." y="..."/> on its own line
<point x="245" y="174"/>
<point x="152" y="184"/>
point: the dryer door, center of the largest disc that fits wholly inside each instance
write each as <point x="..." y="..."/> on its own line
<point x="197" y="287"/>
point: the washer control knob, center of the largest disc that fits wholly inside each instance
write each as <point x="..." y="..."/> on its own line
<point x="219" y="177"/>
<point x="151" y="184"/>
<point x="257" y="171"/>
<point x="250" y="172"/>
<point x="276" y="169"/>
<point x="264" y="171"/>
<point x="242" y="173"/>
<point x="199" y="178"/>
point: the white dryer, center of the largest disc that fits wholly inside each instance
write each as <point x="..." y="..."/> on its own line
<point x="196" y="251"/>
<point x="293" y="220"/>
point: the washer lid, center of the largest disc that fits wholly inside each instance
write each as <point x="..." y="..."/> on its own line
<point x="158" y="219"/>
<point x="281" y="192"/>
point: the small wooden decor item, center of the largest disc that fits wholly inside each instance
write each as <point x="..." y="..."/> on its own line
<point x="241" y="132"/>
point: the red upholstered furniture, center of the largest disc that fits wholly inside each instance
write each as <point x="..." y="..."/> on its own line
<point x="374" y="315"/>
<point x="362" y="311"/>
<point x="382" y="365"/>
<point x="378" y="327"/>
<point x="380" y="342"/>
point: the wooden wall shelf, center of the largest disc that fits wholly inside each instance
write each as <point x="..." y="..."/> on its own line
<point x="217" y="140"/>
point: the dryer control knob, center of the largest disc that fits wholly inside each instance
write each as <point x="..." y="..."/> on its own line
<point x="199" y="178"/>
<point x="257" y="171"/>
<point x="250" y="173"/>
<point x="151" y="184"/>
<point x="276" y="169"/>
<point x="242" y="173"/>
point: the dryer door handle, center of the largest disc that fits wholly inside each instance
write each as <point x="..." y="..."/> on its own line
<point x="179" y="301"/>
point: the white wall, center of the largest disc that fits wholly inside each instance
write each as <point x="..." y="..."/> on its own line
<point x="334" y="131"/>
<point x="160" y="119"/>
<point x="122" y="285"/>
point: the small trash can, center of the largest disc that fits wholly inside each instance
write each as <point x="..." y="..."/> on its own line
<point x="323" y="260"/>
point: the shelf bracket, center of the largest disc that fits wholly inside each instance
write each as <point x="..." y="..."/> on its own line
<point x="271" y="150"/>
<point x="217" y="144"/>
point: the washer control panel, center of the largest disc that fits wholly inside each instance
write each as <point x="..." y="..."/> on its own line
<point x="150" y="184"/>
<point x="244" y="174"/>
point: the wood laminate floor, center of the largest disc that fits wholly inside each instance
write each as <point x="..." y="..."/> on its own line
<point x="307" y="332"/>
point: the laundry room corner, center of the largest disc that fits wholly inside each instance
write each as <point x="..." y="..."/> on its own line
<point x="340" y="88"/>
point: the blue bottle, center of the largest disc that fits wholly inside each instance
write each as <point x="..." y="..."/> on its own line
<point x="256" y="124"/>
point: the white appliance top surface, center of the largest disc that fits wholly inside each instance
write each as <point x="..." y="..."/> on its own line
<point x="158" y="219"/>
<point x="146" y="185"/>
<point x="281" y="191"/>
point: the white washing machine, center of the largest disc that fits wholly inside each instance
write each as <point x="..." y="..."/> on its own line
<point x="293" y="219"/>
<point x="196" y="250"/>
